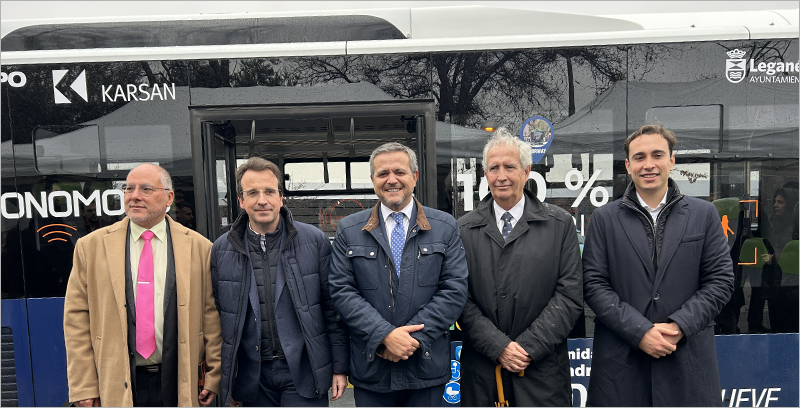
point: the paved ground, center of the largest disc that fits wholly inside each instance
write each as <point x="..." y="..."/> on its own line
<point x="346" y="400"/>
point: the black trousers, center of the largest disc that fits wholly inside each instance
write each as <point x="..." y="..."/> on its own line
<point x="148" y="388"/>
<point x="276" y="388"/>
<point x="423" y="397"/>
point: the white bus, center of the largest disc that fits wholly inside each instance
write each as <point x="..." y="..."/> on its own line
<point x="90" y="89"/>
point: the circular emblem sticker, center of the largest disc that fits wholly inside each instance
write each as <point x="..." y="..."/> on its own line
<point x="455" y="368"/>
<point x="452" y="393"/>
<point x="538" y="132"/>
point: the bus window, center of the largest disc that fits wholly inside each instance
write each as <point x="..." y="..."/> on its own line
<point x="324" y="160"/>
<point x="67" y="149"/>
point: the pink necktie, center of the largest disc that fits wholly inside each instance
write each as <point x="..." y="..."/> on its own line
<point x="145" y="317"/>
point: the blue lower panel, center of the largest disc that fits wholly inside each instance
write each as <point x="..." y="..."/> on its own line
<point x="756" y="370"/>
<point x="14" y="315"/>
<point x="759" y="370"/>
<point x="48" y="357"/>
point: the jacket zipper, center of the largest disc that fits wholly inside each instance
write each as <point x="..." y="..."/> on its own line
<point x="391" y="291"/>
<point x="653" y="224"/>
<point x="391" y="287"/>
<point x="267" y="290"/>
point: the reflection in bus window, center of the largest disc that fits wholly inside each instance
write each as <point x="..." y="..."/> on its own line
<point x="67" y="149"/>
<point x="135" y="144"/>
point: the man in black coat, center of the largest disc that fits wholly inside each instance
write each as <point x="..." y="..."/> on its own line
<point x="283" y="342"/>
<point x="656" y="272"/>
<point x="525" y="290"/>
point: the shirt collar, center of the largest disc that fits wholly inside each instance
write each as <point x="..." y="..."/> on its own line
<point x="160" y="230"/>
<point x="516" y="211"/>
<point x="647" y="207"/>
<point x="278" y="229"/>
<point x="386" y="212"/>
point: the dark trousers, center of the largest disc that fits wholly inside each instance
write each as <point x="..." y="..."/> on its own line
<point x="148" y="388"/>
<point x="276" y="388"/>
<point x="423" y="397"/>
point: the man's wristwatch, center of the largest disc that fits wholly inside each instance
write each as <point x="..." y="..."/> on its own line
<point x="380" y="349"/>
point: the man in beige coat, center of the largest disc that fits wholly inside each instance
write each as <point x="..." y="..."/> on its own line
<point x="103" y="362"/>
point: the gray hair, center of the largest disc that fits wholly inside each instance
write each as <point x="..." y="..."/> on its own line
<point x="166" y="179"/>
<point x="502" y="137"/>
<point x="391" y="148"/>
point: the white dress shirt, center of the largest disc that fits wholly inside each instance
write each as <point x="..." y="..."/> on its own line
<point x="516" y="213"/>
<point x="387" y="212"/>
<point x="653" y="211"/>
<point x="159" y="244"/>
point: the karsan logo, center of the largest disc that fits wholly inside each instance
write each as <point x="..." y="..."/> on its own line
<point x="736" y="68"/>
<point x="63" y="82"/>
<point x="142" y="92"/>
<point x="78" y="85"/>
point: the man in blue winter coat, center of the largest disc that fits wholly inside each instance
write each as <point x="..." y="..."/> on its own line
<point x="283" y="342"/>
<point x="399" y="280"/>
<point x="656" y="272"/>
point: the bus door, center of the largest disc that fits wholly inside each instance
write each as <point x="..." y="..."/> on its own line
<point x="322" y="150"/>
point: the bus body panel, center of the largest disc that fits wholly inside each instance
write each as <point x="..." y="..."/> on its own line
<point x="49" y="359"/>
<point x="200" y="110"/>
<point x="15" y="316"/>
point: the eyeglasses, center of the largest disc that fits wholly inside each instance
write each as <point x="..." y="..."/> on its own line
<point x="255" y="193"/>
<point x="144" y="190"/>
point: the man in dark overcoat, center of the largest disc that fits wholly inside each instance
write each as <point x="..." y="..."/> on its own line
<point x="656" y="273"/>
<point x="525" y="290"/>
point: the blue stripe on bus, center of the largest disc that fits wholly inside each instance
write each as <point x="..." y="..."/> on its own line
<point x="49" y="357"/>
<point x="14" y="316"/>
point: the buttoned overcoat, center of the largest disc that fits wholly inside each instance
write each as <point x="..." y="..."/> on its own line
<point x="693" y="279"/>
<point x="525" y="289"/>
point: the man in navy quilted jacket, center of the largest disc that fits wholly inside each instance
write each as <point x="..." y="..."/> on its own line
<point x="399" y="280"/>
<point x="283" y="342"/>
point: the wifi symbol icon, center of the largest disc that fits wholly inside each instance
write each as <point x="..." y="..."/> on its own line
<point x="56" y="231"/>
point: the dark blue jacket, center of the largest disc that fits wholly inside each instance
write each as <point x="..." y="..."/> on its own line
<point x="629" y="290"/>
<point x="305" y="313"/>
<point x="432" y="291"/>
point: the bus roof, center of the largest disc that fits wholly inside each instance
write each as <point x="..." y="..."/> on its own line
<point x="407" y="27"/>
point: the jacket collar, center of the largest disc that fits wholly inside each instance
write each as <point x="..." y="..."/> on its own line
<point x="534" y="210"/>
<point x="238" y="231"/>
<point x="374" y="220"/>
<point x="630" y="199"/>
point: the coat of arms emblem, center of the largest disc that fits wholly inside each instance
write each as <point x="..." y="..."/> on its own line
<point x="735" y="66"/>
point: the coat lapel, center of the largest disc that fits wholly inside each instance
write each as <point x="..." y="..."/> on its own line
<point x="169" y="282"/>
<point x="487" y="223"/>
<point x="638" y="238"/>
<point x="114" y="245"/>
<point x="182" y="250"/>
<point x="677" y="220"/>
